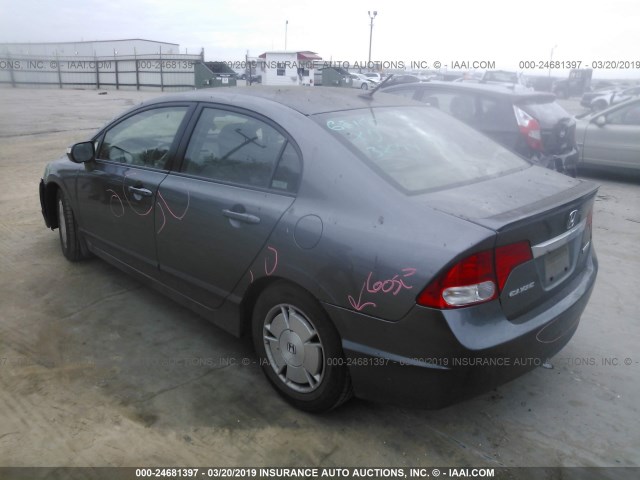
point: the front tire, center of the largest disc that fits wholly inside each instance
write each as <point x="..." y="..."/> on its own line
<point x="364" y="86"/>
<point x="299" y="349"/>
<point x="70" y="240"/>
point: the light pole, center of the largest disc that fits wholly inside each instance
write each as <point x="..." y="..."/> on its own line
<point x="286" y="26"/>
<point x="551" y="58"/>
<point x="371" y="31"/>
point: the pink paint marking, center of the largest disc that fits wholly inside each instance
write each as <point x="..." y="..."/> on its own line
<point x="117" y="197"/>
<point x="124" y="191"/>
<point x="359" y="305"/>
<point x="393" y="285"/>
<point x="177" y="217"/>
<point x="275" y="262"/>
<point x="409" y="271"/>
<point x="164" y="217"/>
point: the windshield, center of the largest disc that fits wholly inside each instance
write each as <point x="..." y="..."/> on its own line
<point x="418" y="148"/>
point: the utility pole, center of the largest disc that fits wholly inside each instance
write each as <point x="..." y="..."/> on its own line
<point x="375" y="13"/>
<point x="551" y="59"/>
<point x="286" y="26"/>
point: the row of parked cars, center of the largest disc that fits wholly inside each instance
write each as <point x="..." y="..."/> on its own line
<point x="534" y="125"/>
<point x="600" y="99"/>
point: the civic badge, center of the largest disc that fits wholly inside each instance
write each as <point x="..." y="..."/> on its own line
<point x="572" y="219"/>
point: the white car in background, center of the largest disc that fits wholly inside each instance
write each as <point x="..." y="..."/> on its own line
<point x="362" y="81"/>
<point x="376" y="77"/>
<point x="614" y="97"/>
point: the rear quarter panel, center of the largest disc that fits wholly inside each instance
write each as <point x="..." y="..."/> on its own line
<point x="353" y="240"/>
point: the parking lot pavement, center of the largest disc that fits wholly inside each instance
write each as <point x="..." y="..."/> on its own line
<point x="96" y="370"/>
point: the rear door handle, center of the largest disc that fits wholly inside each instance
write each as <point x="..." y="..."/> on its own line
<point x="145" y="192"/>
<point x="242" y="217"/>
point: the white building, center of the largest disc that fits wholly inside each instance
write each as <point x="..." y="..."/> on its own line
<point x="99" y="48"/>
<point x="287" y="68"/>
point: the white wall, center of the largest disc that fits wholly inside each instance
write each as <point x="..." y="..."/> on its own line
<point x="269" y="69"/>
<point x="90" y="49"/>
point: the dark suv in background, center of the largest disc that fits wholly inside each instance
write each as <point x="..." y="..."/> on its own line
<point x="529" y="123"/>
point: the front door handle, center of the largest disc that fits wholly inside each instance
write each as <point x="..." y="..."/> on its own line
<point x="242" y="217"/>
<point x="145" y="192"/>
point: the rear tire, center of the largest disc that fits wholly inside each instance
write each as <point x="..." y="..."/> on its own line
<point x="299" y="348"/>
<point x="71" y="242"/>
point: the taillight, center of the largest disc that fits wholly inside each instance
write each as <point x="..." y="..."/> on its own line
<point x="476" y="279"/>
<point x="529" y="127"/>
<point x="509" y="257"/>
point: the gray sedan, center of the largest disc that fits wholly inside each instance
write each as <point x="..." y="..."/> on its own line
<point x="611" y="138"/>
<point x="368" y="244"/>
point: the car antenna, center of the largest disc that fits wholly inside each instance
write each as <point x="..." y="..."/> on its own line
<point x="369" y="95"/>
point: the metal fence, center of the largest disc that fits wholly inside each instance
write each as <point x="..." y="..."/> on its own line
<point x="155" y="71"/>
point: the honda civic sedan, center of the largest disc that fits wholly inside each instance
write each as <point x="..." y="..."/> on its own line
<point x="369" y="244"/>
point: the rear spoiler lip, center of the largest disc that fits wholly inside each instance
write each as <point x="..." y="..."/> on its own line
<point x="582" y="192"/>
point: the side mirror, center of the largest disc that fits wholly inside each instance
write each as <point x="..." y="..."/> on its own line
<point x="81" y="152"/>
<point x="601" y="121"/>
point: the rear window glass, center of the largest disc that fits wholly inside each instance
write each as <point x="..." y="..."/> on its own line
<point x="418" y="148"/>
<point x="548" y="114"/>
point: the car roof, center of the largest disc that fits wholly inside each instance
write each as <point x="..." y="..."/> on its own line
<point x="515" y="95"/>
<point x="306" y="100"/>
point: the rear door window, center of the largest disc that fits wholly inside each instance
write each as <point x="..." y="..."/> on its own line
<point x="495" y="115"/>
<point x="231" y="147"/>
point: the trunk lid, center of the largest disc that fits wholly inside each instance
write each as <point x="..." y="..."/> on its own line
<point x="550" y="211"/>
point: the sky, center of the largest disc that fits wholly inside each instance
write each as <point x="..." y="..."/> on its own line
<point x="505" y="32"/>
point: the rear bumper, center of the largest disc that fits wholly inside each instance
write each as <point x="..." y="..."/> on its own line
<point x="563" y="162"/>
<point x="433" y="358"/>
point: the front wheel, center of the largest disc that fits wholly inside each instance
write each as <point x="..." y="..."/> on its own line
<point x="299" y="349"/>
<point x="364" y="86"/>
<point x="70" y="241"/>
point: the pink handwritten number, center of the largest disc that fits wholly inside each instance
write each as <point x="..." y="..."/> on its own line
<point x="393" y="285"/>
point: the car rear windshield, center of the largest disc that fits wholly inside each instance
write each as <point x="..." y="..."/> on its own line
<point x="548" y="114"/>
<point x="419" y="148"/>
